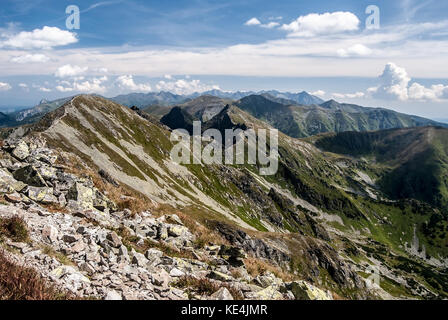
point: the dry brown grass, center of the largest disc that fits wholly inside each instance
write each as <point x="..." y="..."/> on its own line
<point x="205" y="286"/>
<point x="15" y="229"/>
<point x="54" y="208"/>
<point x="257" y="267"/>
<point x="190" y="217"/>
<point x="21" y="283"/>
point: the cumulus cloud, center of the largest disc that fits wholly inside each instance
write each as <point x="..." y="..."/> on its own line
<point x="393" y="84"/>
<point x="396" y="84"/>
<point x="256" y="22"/>
<point x="30" y="58"/>
<point x="127" y="83"/>
<point x="327" y="23"/>
<point x="185" y="86"/>
<point x="253" y="22"/>
<point x="359" y="50"/>
<point x="5" y="86"/>
<point x="434" y="93"/>
<point x="68" y="70"/>
<point x="94" y="85"/>
<point x="45" y="38"/>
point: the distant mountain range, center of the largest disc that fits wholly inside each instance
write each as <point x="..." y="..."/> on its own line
<point x="143" y="100"/>
<point x="298" y="115"/>
<point x="299" y="121"/>
<point x="31" y="115"/>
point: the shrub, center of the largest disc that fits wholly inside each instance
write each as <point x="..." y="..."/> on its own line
<point x="14" y="228"/>
<point x="21" y="283"/>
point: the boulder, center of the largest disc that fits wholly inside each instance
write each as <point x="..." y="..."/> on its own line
<point x="31" y="176"/>
<point x="13" y="198"/>
<point x="160" y="278"/>
<point x="268" y="279"/>
<point x="222" y="294"/>
<point x="50" y="233"/>
<point x="71" y="238"/>
<point x="102" y="203"/>
<point x="305" y="291"/>
<point x="173" y="219"/>
<point x="269" y="293"/>
<point x="139" y="259"/>
<point x="114" y="240"/>
<point x="233" y="255"/>
<point x="216" y="275"/>
<point x="43" y="195"/>
<point x="176" y="273"/>
<point x="177" y="231"/>
<point x="113" y="295"/>
<point x="8" y="184"/>
<point x="21" y="151"/>
<point x="82" y="194"/>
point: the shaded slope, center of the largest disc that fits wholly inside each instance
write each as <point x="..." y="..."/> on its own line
<point x="417" y="158"/>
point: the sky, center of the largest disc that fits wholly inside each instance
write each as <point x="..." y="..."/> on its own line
<point x="392" y="55"/>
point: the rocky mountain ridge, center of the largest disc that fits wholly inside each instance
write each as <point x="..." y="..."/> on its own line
<point x="321" y="219"/>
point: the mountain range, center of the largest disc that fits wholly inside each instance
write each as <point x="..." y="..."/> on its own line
<point x="340" y="205"/>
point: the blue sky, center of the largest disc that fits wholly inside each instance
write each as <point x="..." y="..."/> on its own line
<point x="196" y="45"/>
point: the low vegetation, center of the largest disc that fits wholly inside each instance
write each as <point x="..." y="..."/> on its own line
<point x="14" y="228"/>
<point x="205" y="286"/>
<point x="21" y="283"/>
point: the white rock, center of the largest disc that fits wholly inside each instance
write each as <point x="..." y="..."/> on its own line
<point x="50" y="233"/>
<point x="176" y="273"/>
<point x="113" y="295"/>
<point x="222" y="294"/>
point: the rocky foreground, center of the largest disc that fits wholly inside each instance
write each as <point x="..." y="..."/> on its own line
<point x="80" y="241"/>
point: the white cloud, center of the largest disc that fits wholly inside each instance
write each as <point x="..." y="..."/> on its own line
<point x="349" y="95"/>
<point x="127" y="83"/>
<point x="270" y="25"/>
<point x="253" y="22"/>
<point x="168" y="76"/>
<point x="41" y="88"/>
<point x="319" y="93"/>
<point x="327" y="23"/>
<point x="393" y="84"/>
<point x="45" y="38"/>
<point x="185" y="86"/>
<point x="30" y="58"/>
<point x="68" y="70"/>
<point x="434" y="93"/>
<point x="24" y="87"/>
<point x="95" y="85"/>
<point x="5" y="86"/>
<point x="359" y="50"/>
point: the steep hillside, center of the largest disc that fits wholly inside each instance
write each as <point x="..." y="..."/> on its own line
<point x="321" y="217"/>
<point x="415" y="160"/>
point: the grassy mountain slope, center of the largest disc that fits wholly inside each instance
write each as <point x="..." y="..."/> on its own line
<point x="415" y="160"/>
<point x="322" y="210"/>
<point x="331" y="116"/>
